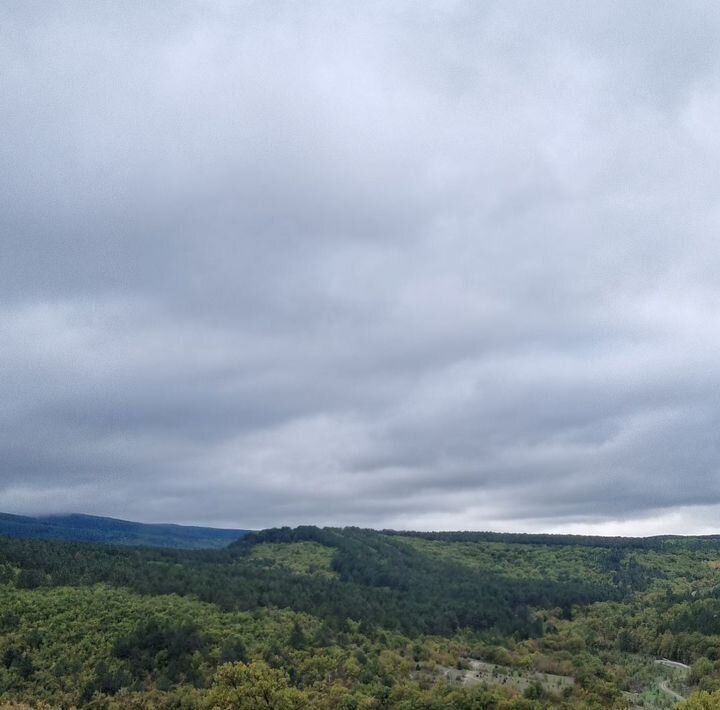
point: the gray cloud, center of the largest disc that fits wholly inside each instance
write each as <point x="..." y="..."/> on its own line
<point x="444" y="265"/>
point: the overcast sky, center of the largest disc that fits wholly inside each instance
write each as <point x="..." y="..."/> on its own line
<point x="406" y="264"/>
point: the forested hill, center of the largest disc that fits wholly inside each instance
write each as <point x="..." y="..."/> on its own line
<point x="91" y="528"/>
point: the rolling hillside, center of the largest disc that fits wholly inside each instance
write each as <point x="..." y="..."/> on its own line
<point x="352" y="619"/>
<point x="91" y="528"/>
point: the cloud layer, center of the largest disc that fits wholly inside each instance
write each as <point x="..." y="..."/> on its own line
<point x="412" y="265"/>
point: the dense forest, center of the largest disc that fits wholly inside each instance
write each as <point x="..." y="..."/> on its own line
<point x="359" y="619"/>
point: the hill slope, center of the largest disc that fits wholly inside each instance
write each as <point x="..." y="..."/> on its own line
<point x="91" y="528"/>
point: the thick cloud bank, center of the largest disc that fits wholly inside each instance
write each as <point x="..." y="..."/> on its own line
<point x="431" y="265"/>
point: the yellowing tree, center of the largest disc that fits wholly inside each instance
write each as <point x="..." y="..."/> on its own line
<point x="701" y="701"/>
<point x="254" y="686"/>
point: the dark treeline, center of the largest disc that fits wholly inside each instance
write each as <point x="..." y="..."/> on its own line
<point x="659" y="542"/>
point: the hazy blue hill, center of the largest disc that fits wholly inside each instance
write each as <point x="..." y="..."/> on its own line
<point x="91" y="528"/>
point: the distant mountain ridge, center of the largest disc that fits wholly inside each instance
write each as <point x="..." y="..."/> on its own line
<point x="91" y="528"/>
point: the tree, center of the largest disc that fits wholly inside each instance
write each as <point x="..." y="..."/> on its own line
<point x="254" y="686"/>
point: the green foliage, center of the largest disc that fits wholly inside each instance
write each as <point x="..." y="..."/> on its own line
<point x="165" y="647"/>
<point x="308" y="558"/>
<point x="524" y="562"/>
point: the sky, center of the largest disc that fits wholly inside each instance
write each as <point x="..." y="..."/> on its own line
<point x="430" y="265"/>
